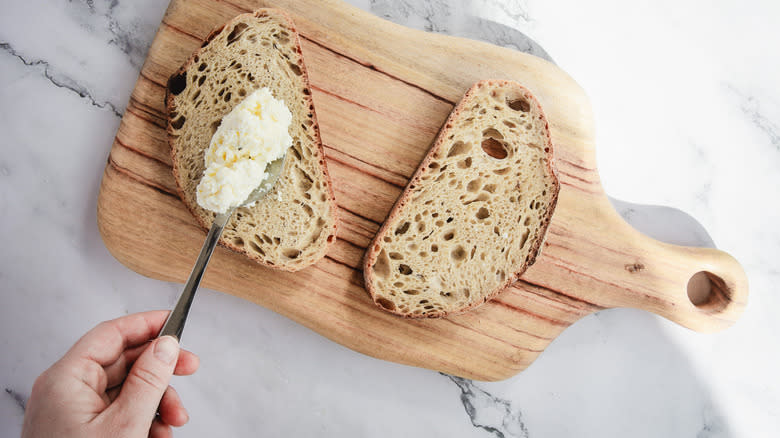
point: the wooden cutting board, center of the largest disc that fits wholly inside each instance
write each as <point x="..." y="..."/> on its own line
<point x="381" y="93"/>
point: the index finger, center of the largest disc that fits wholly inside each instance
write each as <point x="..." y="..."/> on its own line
<point x="106" y="342"/>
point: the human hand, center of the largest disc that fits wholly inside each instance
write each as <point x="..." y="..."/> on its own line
<point x="112" y="382"/>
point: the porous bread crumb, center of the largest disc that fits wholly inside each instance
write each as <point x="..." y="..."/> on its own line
<point x="292" y="226"/>
<point x="474" y="215"/>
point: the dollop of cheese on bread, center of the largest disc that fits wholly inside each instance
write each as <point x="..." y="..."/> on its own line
<point x="252" y="135"/>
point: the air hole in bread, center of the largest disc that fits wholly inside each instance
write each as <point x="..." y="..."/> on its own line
<point x="404" y="269"/>
<point x="398" y="284"/>
<point x="402" y="229"/>
<point x="382" y="265"/>
<point x="256" y="248"/>
<point x="502" y="171"/>
<point x="482" y="197"/>
<point x="228" y="96"/>
<point x="509" y="124"/>
<point x="457" y="149"/>
<point x="490" y="188"/>
<point x="295" y="151"/>
<point x="524" y="237"/>
<point x="483" y="213"/>
<point x="465" y="163"/>
<point x="492" y="133"/>
<point x="385" y="303"/>
<point x="458" y="254"/>
<point x="305" y="182"/>
<point x="291" y="253"/>
<point x="295" y="69"/>
<point x="412" y="292"/>
<point x="238" y="241"/>
<point x="519" y="105"/>
<point x="494" y="148"/>
<point x="396" y="256"/>
<point x="474" y="185"/>
<point x="178" y="122"/>
<point x="449" y="235"/>
<point x="241" y="92"/>
<point x="238" y="29"/>
<point x="177" y="84"/>
<point x="434" y="248"/>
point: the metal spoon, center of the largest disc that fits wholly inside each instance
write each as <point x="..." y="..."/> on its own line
<point x="174" y="325"/>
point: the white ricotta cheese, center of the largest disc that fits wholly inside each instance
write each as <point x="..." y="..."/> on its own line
<point x="252" y="135"/>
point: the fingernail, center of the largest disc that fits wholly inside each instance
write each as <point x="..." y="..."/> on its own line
<point x="166" y="349"/>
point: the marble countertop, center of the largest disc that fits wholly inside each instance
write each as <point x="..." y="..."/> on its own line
<point x="687" y="105"/>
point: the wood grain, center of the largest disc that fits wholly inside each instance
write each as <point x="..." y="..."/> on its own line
<point x="381" y="92"/>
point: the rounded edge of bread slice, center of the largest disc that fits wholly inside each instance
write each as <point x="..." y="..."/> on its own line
<point x="329" y="228"/>
<point x="404" y="201"/>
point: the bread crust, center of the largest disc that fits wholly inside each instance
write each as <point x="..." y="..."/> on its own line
<point x="374" y="248"/>
<point x="170" y="107"/>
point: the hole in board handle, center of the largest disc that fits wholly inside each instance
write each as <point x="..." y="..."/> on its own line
<point x="708" y="292"/>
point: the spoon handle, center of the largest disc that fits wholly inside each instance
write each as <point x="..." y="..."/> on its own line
<point x="174" y="325"/>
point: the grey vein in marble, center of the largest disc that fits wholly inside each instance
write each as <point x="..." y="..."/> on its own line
<point x="58" y="80"/>
<point x="128" y="37"/>
<point x="751" y="107"/>
<point x="18" y="398"/>
<point x="713" y="424"/>
<point x="442" y="17"/>
<point x="434" y="14"/>
<point x="488" y="412"/>
<point x="517" y="10"/>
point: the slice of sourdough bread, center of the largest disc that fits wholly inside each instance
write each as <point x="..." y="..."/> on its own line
<point x="474" y="215"/>
<point x="293" y="225"/>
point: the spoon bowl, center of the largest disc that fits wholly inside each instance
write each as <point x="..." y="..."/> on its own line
<point x="174" y="325"/>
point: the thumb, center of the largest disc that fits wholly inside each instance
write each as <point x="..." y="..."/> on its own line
<point x="145" y="384"/>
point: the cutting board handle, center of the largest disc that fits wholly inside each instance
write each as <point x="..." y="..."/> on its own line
<point x="592" y="254"/>
<point x="704" y="289"/>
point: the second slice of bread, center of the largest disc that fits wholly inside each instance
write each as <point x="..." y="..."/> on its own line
<point x="474" y="215"/>
<point x="294" y="224"/>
